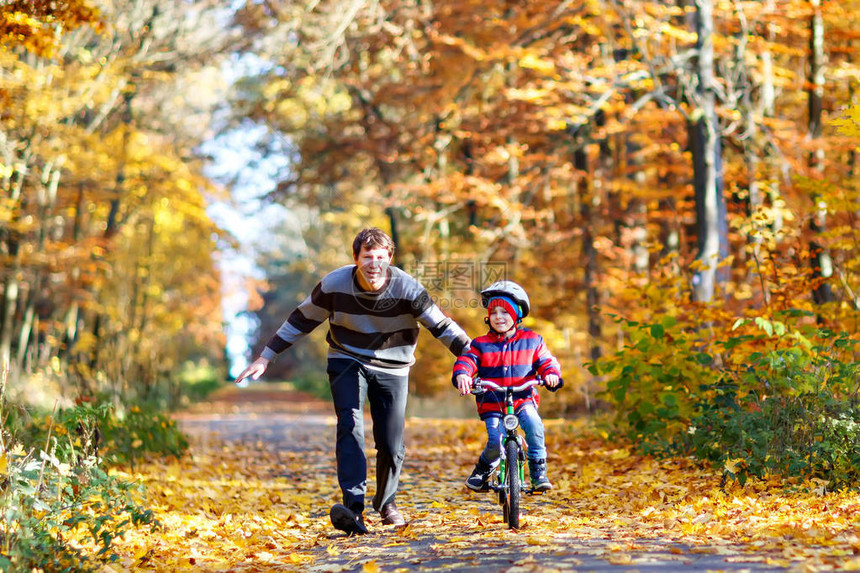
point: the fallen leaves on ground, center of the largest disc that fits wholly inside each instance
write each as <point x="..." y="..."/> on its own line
<point x="255" y="491"/>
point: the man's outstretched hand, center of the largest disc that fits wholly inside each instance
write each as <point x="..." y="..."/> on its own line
<point x="254" y="370"/>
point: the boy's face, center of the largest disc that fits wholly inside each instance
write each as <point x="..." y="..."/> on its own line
<point x="372" y="267"/>
<point x="500" y="320"/>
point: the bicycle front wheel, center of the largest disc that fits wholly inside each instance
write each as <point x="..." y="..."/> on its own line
<point x="512" y="468"/>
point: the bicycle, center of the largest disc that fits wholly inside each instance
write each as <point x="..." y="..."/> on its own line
<point x="509" y="478"/>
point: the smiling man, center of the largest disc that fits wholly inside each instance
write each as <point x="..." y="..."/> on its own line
<point x="374" y="311"/>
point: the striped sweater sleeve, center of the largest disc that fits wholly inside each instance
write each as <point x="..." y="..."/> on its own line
<point x="442" y="327"/>
<point x="377" y="328"/>
<point x="312" y="312"/>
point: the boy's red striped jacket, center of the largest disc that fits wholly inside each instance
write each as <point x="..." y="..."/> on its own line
<point x="507" y="362"/>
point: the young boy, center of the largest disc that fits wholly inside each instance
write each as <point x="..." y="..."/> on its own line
<point x="508" y="355"/>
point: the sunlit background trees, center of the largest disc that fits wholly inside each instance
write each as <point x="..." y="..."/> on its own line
<point x="674" y="183"/>
<point x="684" y="164"/>
<point x="109" y="275"/>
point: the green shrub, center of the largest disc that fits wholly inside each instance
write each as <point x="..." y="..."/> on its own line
<point x="60" y="510"/>
<point x="773" y="397"/>
<point x="140" y="431"/>
<point x="803" y="421"/>
<point x="117" y="436"/>
<point x="314" y="384"/>
<point x="199" y="379"/>
<point x="52" y="512"/>
<point x="653" y="382"/>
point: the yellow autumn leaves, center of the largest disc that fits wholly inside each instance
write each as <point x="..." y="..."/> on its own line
<point x="255" y="492"/>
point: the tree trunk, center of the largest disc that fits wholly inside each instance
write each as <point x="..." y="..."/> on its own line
<point x="26" y="330"/>
<point x="589" y="253"/>
<point x="752" y="159"/>
<point x="73" y="312"/>
<point x="822" y="266"/>
<point x="46" y="198"/>
<point x="10" y="303"/>
<point x="113" y="223"/>
<point x="12" y="239"/>
<point x="712" y="230"/>
<point x="636" y="211"/>
<point x="854" y="152"/>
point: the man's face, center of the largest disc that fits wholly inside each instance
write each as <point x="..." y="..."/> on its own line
<point x="372" y="267"/>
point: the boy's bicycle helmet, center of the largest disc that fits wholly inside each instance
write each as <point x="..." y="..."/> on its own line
<point x="509" y="289"/>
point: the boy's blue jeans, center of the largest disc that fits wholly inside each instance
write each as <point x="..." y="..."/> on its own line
<point x="532" y="425"/>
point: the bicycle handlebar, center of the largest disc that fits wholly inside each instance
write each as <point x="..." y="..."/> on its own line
<point x="482" y="385"/>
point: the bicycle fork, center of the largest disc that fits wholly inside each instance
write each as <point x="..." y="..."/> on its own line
<point x="512" y="434"/>
<point x="521" y="457"/>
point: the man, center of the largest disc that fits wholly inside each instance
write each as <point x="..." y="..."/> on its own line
<point x="373" y="310"/>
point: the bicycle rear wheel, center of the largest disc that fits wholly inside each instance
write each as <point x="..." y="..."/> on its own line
<point x="512" y="494"/>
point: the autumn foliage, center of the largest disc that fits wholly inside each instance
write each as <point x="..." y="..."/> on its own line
<point x="108" y="281"/>
<point x="558" y="140"/>
<point x="258" y="493"/>
<point x="675" y="184"/>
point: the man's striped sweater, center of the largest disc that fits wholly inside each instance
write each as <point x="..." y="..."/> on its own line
<point x="379" y="329"/>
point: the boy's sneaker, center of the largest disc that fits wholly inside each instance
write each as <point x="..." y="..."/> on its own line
<point x="537" y="470"/>
<point x="480" y="476"/>
<point x="347" y="520"/>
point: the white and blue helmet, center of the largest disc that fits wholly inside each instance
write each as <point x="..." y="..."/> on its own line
<point x="508" y="289"/>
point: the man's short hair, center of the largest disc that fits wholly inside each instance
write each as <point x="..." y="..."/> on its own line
<point x="372" y="238"/>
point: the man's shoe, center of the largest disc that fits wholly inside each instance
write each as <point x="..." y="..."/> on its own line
<point x="347" y="520"/>
<point x="391" y="516"/>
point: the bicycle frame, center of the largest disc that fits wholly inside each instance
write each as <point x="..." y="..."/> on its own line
<point x="509" y="484"/>
<point x="511" y="434"/>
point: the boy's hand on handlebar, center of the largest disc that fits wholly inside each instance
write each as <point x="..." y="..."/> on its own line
<point x="551" y="380"/>
<point x="254" y="370"/>
<point x="464" y="384"/>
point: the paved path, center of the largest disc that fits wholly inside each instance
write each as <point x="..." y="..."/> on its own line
<point x="294" y="424"/>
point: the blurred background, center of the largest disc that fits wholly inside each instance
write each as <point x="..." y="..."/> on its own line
<point x="674" y="183"/>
